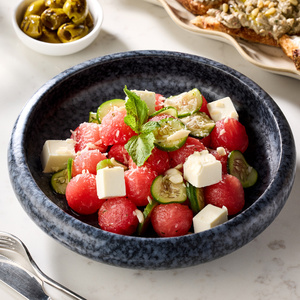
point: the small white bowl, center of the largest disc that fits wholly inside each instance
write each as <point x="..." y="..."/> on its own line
<point x="63" y="48"/>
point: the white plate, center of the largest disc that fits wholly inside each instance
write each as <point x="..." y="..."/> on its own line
<point x="269" y="58"/>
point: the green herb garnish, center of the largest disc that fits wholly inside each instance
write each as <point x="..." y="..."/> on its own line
<point x="137" y="111"/>
<point x="139" y="146"/>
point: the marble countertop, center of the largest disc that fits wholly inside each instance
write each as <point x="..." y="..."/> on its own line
<point x="266" y="268"/>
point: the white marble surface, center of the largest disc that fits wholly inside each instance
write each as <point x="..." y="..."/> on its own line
<point x="267" y="268"/>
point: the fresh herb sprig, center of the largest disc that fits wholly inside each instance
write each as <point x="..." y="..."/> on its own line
<point x="141" y="145"/>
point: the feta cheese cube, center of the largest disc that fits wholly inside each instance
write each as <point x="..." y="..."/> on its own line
<point x="221" y="109"/>
<point x="55" y="154"/>
<point x="110" y="182"/>
<point x="148" y="97"/>
<point x="209" y="217"/>
<point x="202" y="169"/>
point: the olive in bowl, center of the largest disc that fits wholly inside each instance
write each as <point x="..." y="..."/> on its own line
<point x="57" y="27"/>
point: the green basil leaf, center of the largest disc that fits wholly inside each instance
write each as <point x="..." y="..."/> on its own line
<point x="137" y="111"/>
<point x="149" y="126"/>
<point x="140" y="147"/>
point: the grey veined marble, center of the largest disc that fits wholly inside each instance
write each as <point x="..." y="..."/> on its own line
<point x="65" y="101"/>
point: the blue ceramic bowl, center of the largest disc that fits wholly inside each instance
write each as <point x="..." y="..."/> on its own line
<point x="65" y="101"/>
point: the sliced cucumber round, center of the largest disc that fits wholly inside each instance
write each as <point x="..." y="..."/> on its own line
<point x="105" y="163"/>
<point x="196" y="197"/>
<point x="171" y="135"/>
<point x="238" y="167"/>
<point x="169" y="110"/>
<point x="69" y="168"/>
<point x="59" y="181"/>
<point x="93" y="117"/>
<point x="199" y="123"/>
<point x="185" y="103"/>
<point x="109" y="163"/>
<point x="142" y="227"/>
<point x="107" y="106"/>
<point x="164" y="191"/>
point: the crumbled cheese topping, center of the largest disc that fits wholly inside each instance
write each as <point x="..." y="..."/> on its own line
<point x="221" y="151"/>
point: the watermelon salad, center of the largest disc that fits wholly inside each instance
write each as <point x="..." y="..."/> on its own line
<point x="154" y="165"/>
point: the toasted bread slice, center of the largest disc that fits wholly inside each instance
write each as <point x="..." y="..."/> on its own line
<point x="291" y="47"/>
<point x="200" y="7"/>
<point x="289" y="44"/>
<point x="210" y="23"/>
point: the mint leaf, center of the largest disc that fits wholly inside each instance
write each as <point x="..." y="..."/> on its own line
<point x="149" y="126"/>
<point x="137" y="111"/>
<point x="140" y="147"/>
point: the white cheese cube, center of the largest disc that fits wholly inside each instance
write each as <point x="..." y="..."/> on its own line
<point x="202" y="169"/>
<point x="55" y="154"/>
<point x="221" y="109"/>
<point x="209" y="217"/>
<point x="110" y="182"/>
<point x="148" y="97"/>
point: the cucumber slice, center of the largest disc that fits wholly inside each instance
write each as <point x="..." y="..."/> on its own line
<point x="142" y="227"/>
<point x="171" y="135"/>
<point x="107" y="106"/>
<point x="196" y="197"/>
<point x="186" y="103"/>
<point x="106" y="163"/>
<point x="59" y="181"/>
<point x="93" y="117"/>
<point x="199" y="123"/>
<point x="238" y="167"/>
<point x="169" y="110"/>
<point x="109" y="163"/>
<point x="69" y="168"/>
<point x="165" y="190"/>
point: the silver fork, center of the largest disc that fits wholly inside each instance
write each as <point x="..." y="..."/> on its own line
<point x="14" y="249"/>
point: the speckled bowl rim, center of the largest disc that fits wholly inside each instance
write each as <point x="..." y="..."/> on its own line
<point x="88" y="240"/>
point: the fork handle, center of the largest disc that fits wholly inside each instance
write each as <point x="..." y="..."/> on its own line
<point x="61" y="288"/>
<point x="54" y="284"/>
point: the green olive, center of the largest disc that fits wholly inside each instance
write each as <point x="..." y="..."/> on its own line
<point x="49" y="36"/>
<point x="71" y="32"/>
<point x="89" y="21"/>
<point x="55" y="3"/>
<point x="35" y="8"/>
<point x="76" y="10"/>
<point x="32" y="26"/>
<point x="53" y="18"/>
